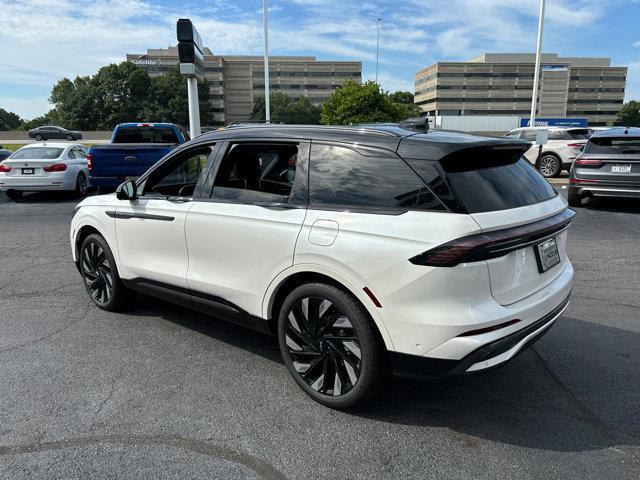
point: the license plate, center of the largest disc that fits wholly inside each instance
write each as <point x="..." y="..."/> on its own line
<point x="620" y="168"/>
<point x="547" y="254"/>
<point x="28" y="171"/>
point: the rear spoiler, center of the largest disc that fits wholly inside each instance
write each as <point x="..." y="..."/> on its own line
<point x="417" y="124"/>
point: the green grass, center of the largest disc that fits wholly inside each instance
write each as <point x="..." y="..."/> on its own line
<point x="15" y="146"/>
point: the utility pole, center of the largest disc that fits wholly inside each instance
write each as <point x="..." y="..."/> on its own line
<point x="536" y="75"/>
<point x="377" y="45"/>
<point x="265" y="18"/>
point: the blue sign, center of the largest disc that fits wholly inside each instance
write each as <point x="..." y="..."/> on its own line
<point x="555" y="122"/>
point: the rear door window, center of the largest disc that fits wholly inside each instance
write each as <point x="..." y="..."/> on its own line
<point x="345" y="177"/>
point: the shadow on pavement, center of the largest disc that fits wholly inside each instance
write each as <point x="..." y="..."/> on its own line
<point x="621" y="205"/>
<point x="526" y="403"/>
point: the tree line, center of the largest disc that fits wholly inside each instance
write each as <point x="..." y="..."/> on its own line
<point x="125" y="92"/>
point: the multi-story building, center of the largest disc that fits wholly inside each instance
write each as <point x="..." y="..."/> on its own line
<point x="235" y="81"/>
<point x="502" y="84"/>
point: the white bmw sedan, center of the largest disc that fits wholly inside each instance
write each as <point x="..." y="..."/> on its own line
<point x="45" y="166"/>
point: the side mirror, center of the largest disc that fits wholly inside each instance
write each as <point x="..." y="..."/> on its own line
<point x="127" y="190"/>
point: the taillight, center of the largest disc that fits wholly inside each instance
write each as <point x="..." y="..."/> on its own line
<point x="484" y="246"/>
<point x="5" y="168"/>
<point x="588" y="162"/>
<point x="90" y="162"/>
<point x="582" y="180"/>
<point x="575" y="145"/>
<point x="56" y="167"/>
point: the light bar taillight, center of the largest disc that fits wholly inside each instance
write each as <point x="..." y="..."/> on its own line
<point x="582" y="180"/>
<point x="588" y="162"/>
<point x="5" y="168"/>
<point x="56" y="167"/>
<point x="484" y="246"/>
<point x="575" y="145"/>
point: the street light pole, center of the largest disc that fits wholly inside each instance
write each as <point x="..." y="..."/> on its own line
<point x="536" y="75"/>
<point x="265" y="18"/>
<point x="377" y="45"/>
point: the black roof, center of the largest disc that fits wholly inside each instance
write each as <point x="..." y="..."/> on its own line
<point x="617" y="132"/>
<point x="408" y="143"/>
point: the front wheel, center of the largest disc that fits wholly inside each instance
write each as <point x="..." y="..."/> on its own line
<point x="549" y="166"/>
<point x="38" y="137"/>
<point x="330" y="346"/>
<point x="14" y="194"/>
<point x="100" y="275"/>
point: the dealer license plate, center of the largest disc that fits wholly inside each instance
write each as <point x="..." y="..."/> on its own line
<point x="547" y="254"/>
<point x="620" y="168"/>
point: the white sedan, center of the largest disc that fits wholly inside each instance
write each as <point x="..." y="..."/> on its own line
<point x="45" y="167"/>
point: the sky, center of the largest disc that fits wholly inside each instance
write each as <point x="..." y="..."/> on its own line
<point x="44" y="41"/>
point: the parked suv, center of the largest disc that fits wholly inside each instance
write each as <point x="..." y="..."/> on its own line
<point x="608" y="167"/>
<point x="363" y="249"/>
<point x="558" y="153"/>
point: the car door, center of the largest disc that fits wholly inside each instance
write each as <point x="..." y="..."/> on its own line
<point x="150" y="230"/>
<point x="245" y="232"/>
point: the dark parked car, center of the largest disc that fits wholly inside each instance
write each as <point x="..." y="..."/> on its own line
<point x="49" y="131"/>
<point x="4" y="153"/>
<point x="609" y="166"/>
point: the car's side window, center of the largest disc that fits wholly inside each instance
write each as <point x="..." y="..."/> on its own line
<point x="343" y="177"/>
<point x="255" y="172"/>
<point x="179" y="176"/>
<point x="72" y="153"/>
<point x="529" y="135"/>
<point x="80" y="153"/>
<point x="513" y="135"/>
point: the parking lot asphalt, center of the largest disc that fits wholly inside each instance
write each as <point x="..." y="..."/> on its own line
<point x="162" y="392"/>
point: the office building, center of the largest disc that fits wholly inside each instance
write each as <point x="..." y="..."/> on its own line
<point x="502" y="84"/>
<point x="235" y="81"/>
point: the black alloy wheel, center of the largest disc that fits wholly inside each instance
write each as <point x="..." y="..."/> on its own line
<point x="97" y="273"/>
<point x="81" y="185"/>
<point x="549" y="166"/>
<point x="330" y="346"/>
<point x="100" y="275"/>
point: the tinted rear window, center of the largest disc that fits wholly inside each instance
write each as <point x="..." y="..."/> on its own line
<point x="145" y="135"/>
<point x="613" y="145"/>
<point x="476" y="181"/>
<point x="579" y="133"/>
<point x="344" y="177"/>
<point x="37" y="153"/>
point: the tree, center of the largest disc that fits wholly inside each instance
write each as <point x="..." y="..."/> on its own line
<point x="355" y="103"/>
<point x="402" y="97"/>
<point x="284" y="109"/>
<point x="124" y="92"/>
<point x="9" y="120"/>
<point x="629" y="115"/>
<point x="36" y="122"/>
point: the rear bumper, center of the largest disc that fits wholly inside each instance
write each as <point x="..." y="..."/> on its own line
<point x="484" y="358"/>
<point x="36" y="184"/>
<point x="106" y="181"/>
<point x="599" y="191"/>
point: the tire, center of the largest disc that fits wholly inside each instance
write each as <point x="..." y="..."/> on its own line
<point x="38" y="137"/>
<point x="100" y="275"/>
<point x="358" y="364"/>
<point x="574" y="199"/>
<point x="549" y="165"/>
<point x="81" y="185"/>
<point x="14" y="194"/>
<point x="70" y="138"/>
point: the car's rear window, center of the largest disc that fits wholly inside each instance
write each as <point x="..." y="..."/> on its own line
<point x="476" y="181"/>
<point x="579" y="133"/>
<point x="145" y="134"/>
<point x="613" y="145"/>
<point x="37" y="153"/>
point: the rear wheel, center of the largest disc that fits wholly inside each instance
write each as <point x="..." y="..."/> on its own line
<point x="81" y="185"/>
<point x="14" y="194"/>
<point x="38" y="137"/>
<point x="574" y="198"/>
<point x="549" y="165"/>
<point x="330" y="346"/>
<point x="100" y="275"/>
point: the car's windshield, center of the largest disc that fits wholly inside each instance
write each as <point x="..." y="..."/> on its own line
<point x="43" y="153"/>
<point x="614" y="145"/>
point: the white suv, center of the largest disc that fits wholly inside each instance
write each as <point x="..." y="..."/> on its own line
<point x="561" y="149"/>
<point x="364" y="250"/>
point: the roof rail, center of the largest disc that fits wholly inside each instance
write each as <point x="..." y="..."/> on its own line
<point x="416" y="124"/>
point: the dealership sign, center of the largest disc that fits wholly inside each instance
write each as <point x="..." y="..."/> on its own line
<point x="555" y="122"/>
